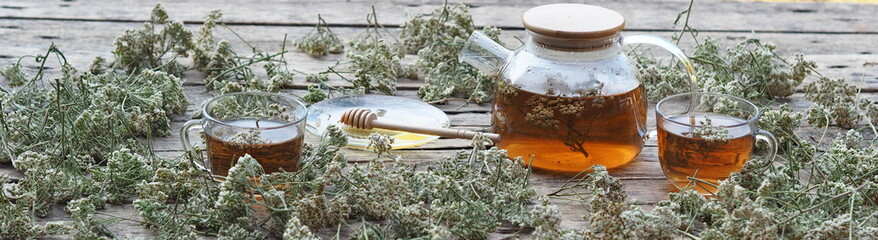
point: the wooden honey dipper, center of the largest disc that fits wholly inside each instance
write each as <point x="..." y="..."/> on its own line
<point x="361" y="118"/>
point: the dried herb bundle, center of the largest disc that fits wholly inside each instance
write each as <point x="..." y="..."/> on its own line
<point x="837" y="101"/>
<point x="751" y="70"/>
<point x="437" y="40"/>
<point x="229" y="72"/>
<point x="320" y="41"/>
<point x="375" y="62"/>
<point x="73" y="138"/>
<point x="78" y="109"/>
<point x="611" y="216"/>
<point x="150" y="48"/>
<point x="465" y="196"/>
<point x="56" y="133"/>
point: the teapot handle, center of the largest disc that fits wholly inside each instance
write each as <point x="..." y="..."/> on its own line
<point x="670" y="47"/>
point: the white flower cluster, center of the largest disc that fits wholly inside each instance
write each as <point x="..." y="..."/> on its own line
<point x="437" y="40"/>
<point x="320" y="41"/>
<point x="611" y="216"/>
<point x="375" y="61"/>
<point x="751" y="70"/>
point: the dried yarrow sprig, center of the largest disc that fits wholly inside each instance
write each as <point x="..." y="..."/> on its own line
<point x="437" y="40"/>
<point x="230" y="72"/>
<point x="14" y="74"/>
<point x="464" y="196"/>
<point x="86" y="224"/>
<point x="374" y="60"/>
<point x="16" y="222"/>
<point x="782" y="121"/>
<point x="324" y="90"/>
<point x="74" y="138"/>
<point x="210" y="55"/>
<point x="766" y="200"/>
<point x="751" y="70"/>
<point x="248" y="107"/>
<point x="320" y="41"/>
<point x="314" y="95"/>
<point x="611" y="215"/>
<point x="705" y="129"/>
<point x="154" y="47"/>
<point x="38" y="117"/>
<point x="837" y="101"/>
<point x="380" y="143"/>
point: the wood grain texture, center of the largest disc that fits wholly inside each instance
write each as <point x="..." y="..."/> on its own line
<point x="837" y="56"/>
<point x="841" y="38"/>
<point x="640" y="14"/>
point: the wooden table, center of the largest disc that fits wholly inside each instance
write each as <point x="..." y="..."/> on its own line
<point x="842" y="38"/>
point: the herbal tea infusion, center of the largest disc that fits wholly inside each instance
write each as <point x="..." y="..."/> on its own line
<point x="274" y="150"/>
<point x="707" y="155"/>
<point x="569" y="133"/>
<point x="705" y="137"/>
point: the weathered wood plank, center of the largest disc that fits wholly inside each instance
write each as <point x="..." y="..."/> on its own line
<point x="641" y="14"/>
<point x="847" y="42"/>
<point x="99" y="36"/>
<point x="125" y="220"/>
<point x="839" y="56"/>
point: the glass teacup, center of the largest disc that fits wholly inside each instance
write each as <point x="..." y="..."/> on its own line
<point x="267" y="126"/>
<point x="704" y="137"/>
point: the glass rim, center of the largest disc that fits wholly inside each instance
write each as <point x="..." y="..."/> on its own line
<point x="302" y="107"/>
<point x="756" y="115"/>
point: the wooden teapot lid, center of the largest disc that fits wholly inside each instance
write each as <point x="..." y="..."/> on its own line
<point x="573" y="21"/>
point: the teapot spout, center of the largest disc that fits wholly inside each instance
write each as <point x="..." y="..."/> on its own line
<point x="484" y="53"/>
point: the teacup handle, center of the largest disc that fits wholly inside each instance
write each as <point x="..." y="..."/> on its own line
<point x="187" y="145"/>
<point x="668" y="46"/>
<point x="762" y="135"/>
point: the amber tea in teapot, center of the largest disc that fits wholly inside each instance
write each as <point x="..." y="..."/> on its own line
<point x="569" y="98"/>
<point x="569" y="133"/>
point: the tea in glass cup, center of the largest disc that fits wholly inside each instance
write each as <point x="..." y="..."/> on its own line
<point x="705" y="137"/>
<point x="267" y="126"/>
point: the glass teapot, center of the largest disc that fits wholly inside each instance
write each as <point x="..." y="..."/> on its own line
<point x="569" y="98"/>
